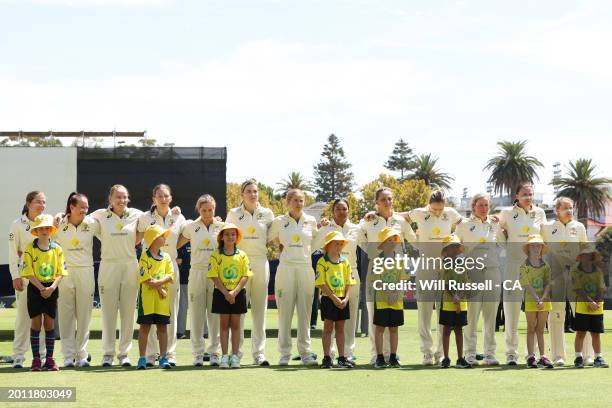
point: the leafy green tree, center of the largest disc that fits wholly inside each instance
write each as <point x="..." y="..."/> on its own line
<point x="333" y="178"/>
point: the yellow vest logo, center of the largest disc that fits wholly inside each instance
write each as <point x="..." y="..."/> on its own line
<point x="295" y="238"/>
<point x="436" y="231"/>
<point x="482" y="240"/>
<point x="75" y="242"/>
<point x="525" y="228"/>
<point x="206" y="242"/>
<point x="251" y="230"/>
<point x="563" y="243"/>
<point x="118" y="226"/>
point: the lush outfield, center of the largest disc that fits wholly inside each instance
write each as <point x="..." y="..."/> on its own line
<point x="296" y="385"/>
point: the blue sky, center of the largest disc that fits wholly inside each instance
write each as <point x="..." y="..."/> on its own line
<point x="271" y="79"/>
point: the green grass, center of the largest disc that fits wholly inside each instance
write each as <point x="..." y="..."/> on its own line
<point x="295" y="385"/>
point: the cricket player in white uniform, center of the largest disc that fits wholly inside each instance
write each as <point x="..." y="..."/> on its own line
<point x="350" y="232"/>
<point x="563" y="237"/>
<point x="202" y="233"/>
<point x="369" y="229"/>
<point x="117" y="277"/>
<point x="75" y="234"/>
<point x="294" y="283"/>
<point x="519" y="221"/>
<point x="481" y="236"/>
<point x="19" y="237"/>
<point x="161" y="214"/>
<point x="254" y="221"/>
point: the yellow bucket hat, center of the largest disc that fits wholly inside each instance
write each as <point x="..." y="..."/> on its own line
<point x="153" y="232"/>
<point x="589" y="249"/>
<point x="43" y="220"/>
<point x="227" y="226"/>
<point x="387" y="233"/>
<point x="334" y="236"/>
<point x="535" y="239"/>
<point x="449" y="240"/>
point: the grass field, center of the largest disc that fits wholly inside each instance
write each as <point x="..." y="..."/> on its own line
<point x="413" y="385"/>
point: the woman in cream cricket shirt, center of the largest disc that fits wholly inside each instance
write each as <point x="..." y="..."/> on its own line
<point x="294" y="284"/>
<point x="254" y="221"/>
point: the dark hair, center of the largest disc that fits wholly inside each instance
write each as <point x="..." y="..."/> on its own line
<point x="519" y="187"/>
<point x="155" y="190"/>
<point x="247" y="183"/>
<point x="437" y="196"/>
<point x="73" y="199"/>
<point x="29" y="198"/>
<point x="340" y="200"/>
<point x="380" y="190"/>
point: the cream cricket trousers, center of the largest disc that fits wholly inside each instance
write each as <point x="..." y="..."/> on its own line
<point x="294" y="289"/>
<point x="426" y="300"/>
<point x="118" y="284"/>
<point x="74" y="304"/>
<point x="152" y="342"/>
<point x="200" y="290"/>
<point x="257" y="296"/>
<point x="351" y="324"/>
<point x="23" y="323"/>
<point x="487" y="302"/>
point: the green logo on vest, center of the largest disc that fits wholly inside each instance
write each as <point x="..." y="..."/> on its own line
<point x="45" y="270"/>
<point x="230" y="272"/>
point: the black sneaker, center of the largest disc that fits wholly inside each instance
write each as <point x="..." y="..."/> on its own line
<point x="394" y="362"/>
<point x="531" y="362"/>
<point x="344" y="363"/>
<point x="544" y="362"/>
<point x="599" y="362"/>
<point x="445" y="363"/>
<point x="462" y="363"/>
<point x="579" y="362"/>
<point x="327" y="362"/>
<point x="380" y="362"/>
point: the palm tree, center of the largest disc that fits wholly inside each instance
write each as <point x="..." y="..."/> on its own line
<point x="511" y="167"/>
<point x="293" y="180"/>
<point x="588" y="192"/>
<point x="425" y="169"/>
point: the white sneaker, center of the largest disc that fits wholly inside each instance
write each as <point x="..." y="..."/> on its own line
<point x="151" y="361"/>
<point x="68" y="362"/>
<point x="284" y="361"/>
<point x="559" y="362"/>
<point x="588" y="361"/>
<point x="428" y="360"/>
<point x="437" y="358"/>
<point x="224" y="361"/>
<point x="82" y="363"/>
<point x="199" y="361"/>
<point x="18" y="362"/>
<point x="107" y="361"/>
<point x="309" y="360"/>
<point x="261" y="361"/>
<point x="214" y="360"/>
<point x="472" y="361"/>
<point x="172" y="361"/>
<point x="511" y="360"/>
<point x="491" y="360"/>
<point x="125" y="362"/>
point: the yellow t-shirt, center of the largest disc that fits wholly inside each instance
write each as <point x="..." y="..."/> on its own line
<point x="229" y="268"/>
<point x="537" y="277"/>
<point x="389" y="275"/>
<point x="149" y="300"/>
<point x="337" y="276"/>
<point x="591" y="283"/>
<point x="44" y="265"/>
<point x="448" y="275"/>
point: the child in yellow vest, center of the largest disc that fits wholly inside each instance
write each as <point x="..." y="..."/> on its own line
<point x="43" y="265"/>
<point x="588" y="283"/>
<point x="535" y="277"/>
<point x="156" y="275"/>
<point x="334" y="279"/>
<point x="453" y="315"/>
<point x="229" y="270"/>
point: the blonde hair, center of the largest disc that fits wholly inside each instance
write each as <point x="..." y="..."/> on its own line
<point x="477" y="197"/>
<point x="563" y="200"/>
<point x="116" y="188"/>
<point x="293" y="193"/>
<point x="205" y="198"/>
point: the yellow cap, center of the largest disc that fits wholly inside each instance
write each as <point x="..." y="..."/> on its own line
<point x="387" y="233"/>
<point x="334" y="236"/>
<point x="449" y="240"/>
<point x="226" y="226"/>
<point x="153" y="232"/>
<point x="535" y="239"/>
<point x="43" y="220"/>
<point x="589" y="248"/>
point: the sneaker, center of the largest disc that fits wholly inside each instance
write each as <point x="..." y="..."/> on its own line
<point x="589" y="361"/>
<point x="284" y="361"/>
<point x="172" y="361"/>
<point x="480" y="356"/>
<point x="352" y="360"/>
<point x="82" y="363"/>
<point x="559" y="362"/>
<point x="151" y="360"/>
<point x="224" y="363"/>
<point x="462" y="363"/>
<point x="18" y="362"/>
<point x="163" y="363"/>
<point x="261" y="361"/>
<point x="511" y="360"/>
<point x="472" y="360"/>
<point x="36" y="365"/>
<point x="428" y="360"/>
<point x="181" y="336"/>
<point x="309" y="359"/>
<point x="107" y="361"/>
<point x="125" y="362"/>
<point x="544" y="362"/>
<point x="68" y="362"/>
<point x="327" y="362"/>
<point x="491" y="360"/>
<point x="599" y="362"/>
<point x="579" y="362"/>
<point x="198" y="361"/>
<point x="343" y="362"/>
<point x="380" y="362"/>
<point x="206" y="357"/>
<point x="214" y="360"/>
<point x="445" y="363"/>
<point x="142" y="363"/>
<point x="531" y="362"/>
<point x="50" y="364"/>
<point x="437" y="358"/>
<point x="394" y="362"/>
<point x="234" y="361"/>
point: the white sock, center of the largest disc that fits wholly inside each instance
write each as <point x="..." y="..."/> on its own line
<point x="579" y="354"/>
<point x="598" y="355"/>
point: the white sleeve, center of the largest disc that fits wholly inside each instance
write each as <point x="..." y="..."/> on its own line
<point x="454" y="216"/>
<point x="231" y="217"/>
<point x="142" y="225"/>
<point x="408" y="232"/>
<point x="273" y="232"/>
<point x="13" y="249"/>
<point x="318" y="238"/>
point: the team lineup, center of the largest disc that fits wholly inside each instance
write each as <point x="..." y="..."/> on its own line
<point x="52" y="269"/>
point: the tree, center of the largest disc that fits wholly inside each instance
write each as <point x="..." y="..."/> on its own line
<point x="425" y="169"/>
<point x="293" y="180"/>
<point x="357" y="208"/>
<point x="588" y="192"/>
<point x="332" y="176"/>
<point x="407" y="194"/>
<point x="511" y="167"/>
<point x="144" y="142"/>
<point x="401" y="159"/>
<point x="32" y="142"/>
